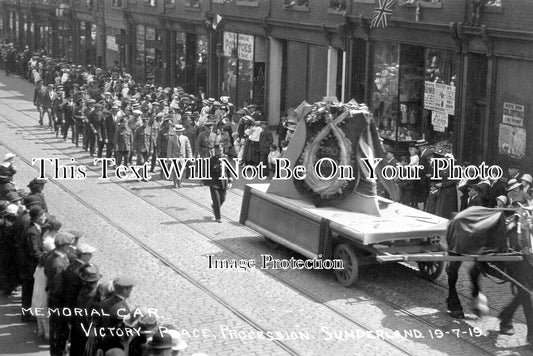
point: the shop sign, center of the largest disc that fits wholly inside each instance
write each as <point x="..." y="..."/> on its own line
<point x="439" y="97"/>
<point x="512" y="141"/>
<point x="513" y="114"/>
<point x="111" y="43"/>
<point x="245" y="42"/>
<point x="439" y="120"/>
<point x="153" y="44"/>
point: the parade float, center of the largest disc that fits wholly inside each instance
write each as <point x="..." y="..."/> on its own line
<point x="324" y="214"/>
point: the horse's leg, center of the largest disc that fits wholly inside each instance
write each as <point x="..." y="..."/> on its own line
<point x="479" y="303"/>
<point x="506" y="316"/>
<point x="525" y="300"/>
<point x="454" y="304"/>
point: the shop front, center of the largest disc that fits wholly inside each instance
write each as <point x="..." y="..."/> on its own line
<point x="190" y="61"/>
<point x="414" y="95"/>
<point x="148" y="55"/>
<point x="243" y="64"/>
<point x="87" y="43"/>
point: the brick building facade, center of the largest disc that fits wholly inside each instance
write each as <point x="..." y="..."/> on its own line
<point x="448" y="71"/>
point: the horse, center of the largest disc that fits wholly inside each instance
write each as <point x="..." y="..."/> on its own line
<point x="481" y="231"/>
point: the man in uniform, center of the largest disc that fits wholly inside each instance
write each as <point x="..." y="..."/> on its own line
<point x="217" y="186"/>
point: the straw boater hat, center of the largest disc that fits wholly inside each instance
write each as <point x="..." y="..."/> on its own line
<point x="179" y="128"/>
<point x="9" y="156"/>
<point x="512" y="184"/>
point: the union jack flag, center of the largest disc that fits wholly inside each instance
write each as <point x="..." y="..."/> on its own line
<point x="381" y="12"/>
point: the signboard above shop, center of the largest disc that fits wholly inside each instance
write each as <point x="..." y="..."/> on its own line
<point x="245" y="44"/>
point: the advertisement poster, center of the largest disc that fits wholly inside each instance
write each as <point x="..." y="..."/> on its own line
<point x="512" y="141"/>
<point x="439" y="120"/>
<point x="513" y="114"/>
<point x="245" y="44"/>
<point x="439" y="97"/>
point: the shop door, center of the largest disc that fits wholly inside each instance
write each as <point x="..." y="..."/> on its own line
<point x="475" y="109"/>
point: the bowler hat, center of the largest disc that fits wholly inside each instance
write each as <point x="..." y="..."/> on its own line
<point x="36" y="212"/>
<point x="178" y="344"/>
<point x="161" y="341"/>
<point x="90" y="274"/>
<point x="36" y="181"/>
<point x="15" y="196"/>
<point x="32" y="200"/>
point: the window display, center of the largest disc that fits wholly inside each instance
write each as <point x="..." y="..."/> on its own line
<point x="413" y="94"/>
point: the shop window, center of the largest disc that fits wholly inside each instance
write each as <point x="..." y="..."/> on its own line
<point x="422" y="3"/>
<point x="116" y="3"/>
<point x="152" y="3"/>
<point x="192" y="3"/>
<point x="170" y="3"/>
<point x="297" y="4"/>
<point x="337" y="5"/>
<point x="414" y="95"/>
<point x="253" y="3"/>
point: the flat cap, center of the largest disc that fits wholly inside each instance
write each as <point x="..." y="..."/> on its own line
<point x="123" y="281"/>
<point x="63" y="238"/>
<point x="77" y="233"/>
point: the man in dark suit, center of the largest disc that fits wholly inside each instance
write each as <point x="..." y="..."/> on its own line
<point x="425" y="155"/>
<point x="116" y="309"/>
<point x="55" y="266"/>
<point x="68" y="118"/>
<point x="217" y="185"/>
<point x="93" y="122"/>
<point x="106" y="133"/>
<point x="31" y="252"/>
<point x="266" y="139"/>
<point x="474" y="199"/>
<point x="84" y="253"/>
<point x="36" y="186"/>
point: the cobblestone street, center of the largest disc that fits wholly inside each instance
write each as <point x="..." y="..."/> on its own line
<point x="163" y="237"/>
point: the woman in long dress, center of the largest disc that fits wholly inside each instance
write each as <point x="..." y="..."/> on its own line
<point x="39" y="300"/>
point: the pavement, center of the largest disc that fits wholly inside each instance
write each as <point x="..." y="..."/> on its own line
<point x="163" y="237"/>
<point x="16" y="337"/>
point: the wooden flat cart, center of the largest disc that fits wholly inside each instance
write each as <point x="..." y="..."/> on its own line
<point x="356" y="239"/>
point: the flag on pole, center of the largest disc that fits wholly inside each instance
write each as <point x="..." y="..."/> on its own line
<point x="381" y="13"/>
<point x="217" y="20"/>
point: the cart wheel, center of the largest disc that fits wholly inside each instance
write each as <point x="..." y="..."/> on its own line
<point x="271" y="243"/>
<point x="348" y="275"/>
<point x="431" y="270"/>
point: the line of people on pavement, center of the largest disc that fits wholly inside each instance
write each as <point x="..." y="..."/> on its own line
<point x="62" y="289"/>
